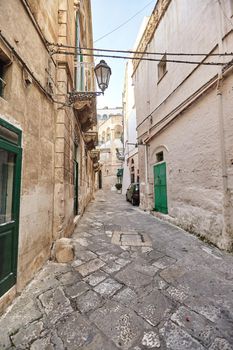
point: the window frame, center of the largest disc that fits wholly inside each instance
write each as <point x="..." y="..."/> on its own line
<point x="158" y="155"/>
<point x="79" y="69"/>
<point x="162" y="63"/>
<point x="13" y="129"/>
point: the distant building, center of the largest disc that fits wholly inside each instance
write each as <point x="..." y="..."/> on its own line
<point x="106" y="112"/>
<point x="131" y="168"/>
<point x="185" y="119"/>
<point x="110" y="133"/>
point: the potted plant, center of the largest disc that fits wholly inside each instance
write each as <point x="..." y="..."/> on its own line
<point x="118" y="187"/>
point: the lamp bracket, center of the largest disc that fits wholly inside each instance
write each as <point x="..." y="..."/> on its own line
<point x="83" y="95"/>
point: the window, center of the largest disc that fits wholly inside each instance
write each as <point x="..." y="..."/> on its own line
<point x="2" y="81"/>
<point x="231" y="8"/>
<point x="159" y="157"/>
<point x="9" y="133"/>
<point x="5" y="70"/>
<point x="108" y="136"/>
<point x="117" y="131"/>
<point x="132" y="178"/>
<point x="162" y="67"/>
<point x="79" y="68"/>
<point x="132" y="172"/>
<point x="103" y="136"/>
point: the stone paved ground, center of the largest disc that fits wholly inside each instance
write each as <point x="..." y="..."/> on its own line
<point x="137" y="283"/>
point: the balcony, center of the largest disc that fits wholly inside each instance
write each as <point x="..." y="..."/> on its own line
<point x="85" y="112"/>
<point x="95" y="156"/>
<point x="84" y="104"/>
<point x="91" y="139"/>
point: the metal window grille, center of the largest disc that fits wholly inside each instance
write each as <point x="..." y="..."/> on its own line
<point x="2" y="86"/>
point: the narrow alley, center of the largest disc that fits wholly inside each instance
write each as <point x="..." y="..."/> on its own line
<point x="137" y="283"/>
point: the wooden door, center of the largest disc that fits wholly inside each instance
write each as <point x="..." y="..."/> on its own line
<point x="10" y="174"/>
<point x="160" y="188"/>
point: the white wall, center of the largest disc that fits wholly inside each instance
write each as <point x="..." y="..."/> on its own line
<point x="189" y="134"/>
<point x="189" y="27"/>
<point x="130" y="132"/>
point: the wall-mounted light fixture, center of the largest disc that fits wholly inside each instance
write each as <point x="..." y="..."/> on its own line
<point x="102" y="73"/>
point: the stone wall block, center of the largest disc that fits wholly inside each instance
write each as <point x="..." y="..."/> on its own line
<point x="60" y="130"/>
<point x="59" y="160"/>
<point x="59" y="175"/>
<point x="61" y="117"/>
<point x="62" y="30"/>
<point x="63" y="5"/>
<point x="63" y="250"/>
<point x="61" y="74"/>
<point x="62" y="16"/>
<point x="59" y="145"/>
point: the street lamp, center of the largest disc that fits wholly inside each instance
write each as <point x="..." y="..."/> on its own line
<point x="102" y="73"/>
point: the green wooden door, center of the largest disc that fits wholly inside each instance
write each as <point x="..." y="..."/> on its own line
<point x="10" y="169"/>
<point x="10" y="174"/>
<point x="160" y="188"/>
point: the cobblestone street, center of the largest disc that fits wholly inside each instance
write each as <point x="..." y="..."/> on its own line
<point x="137" y="283"/>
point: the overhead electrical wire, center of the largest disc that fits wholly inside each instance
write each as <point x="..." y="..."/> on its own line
<point x="124" y="23"/>
<point x="141" y="58"/>
<point x="139" y="52"/>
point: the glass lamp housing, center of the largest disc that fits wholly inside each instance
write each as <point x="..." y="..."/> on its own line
<point x="102" y="73"/>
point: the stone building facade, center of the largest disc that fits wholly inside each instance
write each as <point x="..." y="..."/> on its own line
<point x="184" y="117"/>
<point x="47" y="135"/>
<point x="131" y="168"/>
<point x="110" y="131"/>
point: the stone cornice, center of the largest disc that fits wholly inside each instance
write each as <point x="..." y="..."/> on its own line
<point x="150" y="29"/>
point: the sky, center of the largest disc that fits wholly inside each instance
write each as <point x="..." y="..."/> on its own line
<point x="106" y="16"/>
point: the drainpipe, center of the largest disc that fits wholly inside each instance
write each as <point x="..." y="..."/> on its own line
<point x="148" y="135"/>
<point x="220" y="103"/>
<point x="146" y="176"/>
<point x="226" y="193"/>
<point x="221" y="131"/>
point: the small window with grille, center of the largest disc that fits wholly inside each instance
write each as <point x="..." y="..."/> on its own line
<point x="159" y="157"/>
<point x="162" y="68"/>
<point x="2" y="81"/>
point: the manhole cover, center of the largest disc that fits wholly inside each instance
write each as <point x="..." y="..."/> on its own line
<point x="131" y="238"/>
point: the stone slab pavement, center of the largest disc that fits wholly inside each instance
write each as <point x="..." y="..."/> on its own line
<point x="136" y="283"/>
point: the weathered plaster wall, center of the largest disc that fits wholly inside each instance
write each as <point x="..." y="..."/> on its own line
<point x="68" y="127"/>
<point x="194" y="183"/>
<point x="130" y="133"/>
<point x="174" y="88"/>
<point x="171" y="118"/>
<point x="27" y="107"/>
<point x="46" y="16"/>
<point x="24" y="37"/>
<point x="48" y="132"/>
